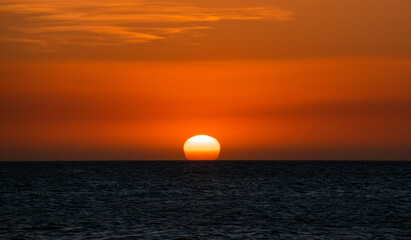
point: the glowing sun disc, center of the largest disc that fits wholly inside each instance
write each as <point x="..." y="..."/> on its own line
<point x="201" y="147"/>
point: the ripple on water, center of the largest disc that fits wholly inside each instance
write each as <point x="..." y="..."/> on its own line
<point x="217" y="200"/>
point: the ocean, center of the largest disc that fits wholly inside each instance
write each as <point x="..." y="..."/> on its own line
<point x="205" y="200"/>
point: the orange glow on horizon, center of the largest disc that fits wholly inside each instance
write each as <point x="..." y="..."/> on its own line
<point x="140" y="110"/>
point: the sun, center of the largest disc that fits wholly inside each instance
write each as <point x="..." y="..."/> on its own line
<point x="201" y="147"/>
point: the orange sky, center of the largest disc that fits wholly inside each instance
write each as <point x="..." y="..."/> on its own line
<point x="318" y="79"/>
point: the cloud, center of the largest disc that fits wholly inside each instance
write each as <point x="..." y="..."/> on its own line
<point x="33" y="45"/>
<point x="104" y="22"/>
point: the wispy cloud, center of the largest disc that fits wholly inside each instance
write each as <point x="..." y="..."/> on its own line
<point x="54" y="22"/>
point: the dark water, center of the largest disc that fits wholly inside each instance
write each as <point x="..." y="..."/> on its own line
<point x="205" y="200"/>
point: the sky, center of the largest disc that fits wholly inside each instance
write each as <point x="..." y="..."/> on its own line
<point x="269" y="79"/>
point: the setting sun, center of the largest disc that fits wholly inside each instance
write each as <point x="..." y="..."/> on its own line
<point x="201" y="147"/>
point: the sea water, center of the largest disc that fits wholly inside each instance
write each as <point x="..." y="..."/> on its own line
<point x="205" y="200"/>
